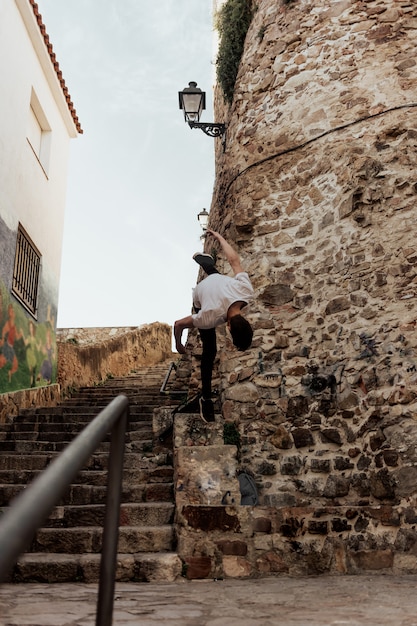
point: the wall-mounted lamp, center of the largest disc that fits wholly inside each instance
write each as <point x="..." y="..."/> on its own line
<point x="193" y="102"/>
<point x="203" y="218"/>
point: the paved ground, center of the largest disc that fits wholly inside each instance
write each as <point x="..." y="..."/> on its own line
<point x="342" y="601"/>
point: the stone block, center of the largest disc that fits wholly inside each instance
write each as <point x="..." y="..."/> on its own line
<point x="162" y="420"/>
<point x="211" y="518"/>
<point x="372" y="559"/>
<point x="153" y="567"/>
<point x="262" y="525"/>
<point x="236" y="567"/>
<point x="190" y="430"/>
<point x="235" y="548"/>
<point x="271" y="563"/>
<point x="205" y="475"/>
<point x="197" y="567"/>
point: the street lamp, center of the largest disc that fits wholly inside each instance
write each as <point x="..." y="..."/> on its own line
<point x="193" y="101"/>
<point x="203" y="218"/>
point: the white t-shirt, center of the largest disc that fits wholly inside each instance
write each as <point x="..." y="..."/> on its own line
<point x="215" y="294"/>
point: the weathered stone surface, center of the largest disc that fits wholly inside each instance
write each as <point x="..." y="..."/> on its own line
<point x="244" y="392"/>
<point x="211" y="518"/>
<point x="236" y="567"/>
<point x="190" y="430"/>
<point x="205" y="475"/>
<point x="281" y="438"/>
<point x="236" y="548"/>
<point x="276" y="295"/>
<point x="372" y="560"/>
<point x="197" y="567"/>
<point x="322" y="133"/>
<point x="271" y="563"/>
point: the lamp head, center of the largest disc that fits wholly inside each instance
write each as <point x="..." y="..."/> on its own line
<point x="203" y="218"/>
<point x="192" y="101"/>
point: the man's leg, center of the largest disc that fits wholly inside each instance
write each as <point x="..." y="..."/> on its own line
<point x="207" y="262"/>
<point x="208" y="339"/>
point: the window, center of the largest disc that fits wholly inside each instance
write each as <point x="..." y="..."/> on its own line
<point x="26" y="271"/>
<point x="39" y="132"/>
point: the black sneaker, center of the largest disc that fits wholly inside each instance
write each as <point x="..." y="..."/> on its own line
<point x="207" y="410"/>
<point x="204" y="260"/>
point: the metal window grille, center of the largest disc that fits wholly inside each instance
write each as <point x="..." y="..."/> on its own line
<point x="26" y="271"/>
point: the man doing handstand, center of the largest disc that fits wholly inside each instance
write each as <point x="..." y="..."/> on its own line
<point x="217" y="300"/>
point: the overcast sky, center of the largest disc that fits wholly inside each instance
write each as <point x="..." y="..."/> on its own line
<point x="138" y="175"/>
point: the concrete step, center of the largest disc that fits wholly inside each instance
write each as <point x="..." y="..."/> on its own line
<point x="84" y="539"/>
<point x="67" y="548"/>
<point x="88" y="494"/>
<point x="92" y="477"/>
<point x="22" y="446"/>
<point x="141" y="514"/>
<point x="33" y="436"/>
<point x="81" y="414"/>
<point x="85" y="395"/>
<point x="64" y="568"/>
<point x="66" y="429"/>
<point x="132" y="460"/>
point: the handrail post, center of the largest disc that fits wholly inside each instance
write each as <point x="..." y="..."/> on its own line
<point x="104" y="616"/>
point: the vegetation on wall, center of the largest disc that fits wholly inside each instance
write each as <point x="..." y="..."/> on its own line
<point x="232" y="23"/>
<point x="231" y="435"/>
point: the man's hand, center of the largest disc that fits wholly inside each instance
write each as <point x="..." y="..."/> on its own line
<point x="179" y="327"/>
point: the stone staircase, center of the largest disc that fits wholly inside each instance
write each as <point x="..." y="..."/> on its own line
<point x="68" y="547"/>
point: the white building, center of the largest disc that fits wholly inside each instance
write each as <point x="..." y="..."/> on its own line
<point x="37" y="122"/>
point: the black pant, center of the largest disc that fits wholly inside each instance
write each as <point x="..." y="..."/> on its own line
<point x="208" y="339"/>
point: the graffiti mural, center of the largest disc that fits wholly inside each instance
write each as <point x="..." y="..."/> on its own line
<point x="27" y="348"/>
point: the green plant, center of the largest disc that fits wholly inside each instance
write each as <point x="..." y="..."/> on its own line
<point x="261" y="32"/>
<point x="232" y="22"/>
<point x="231" y="435"/>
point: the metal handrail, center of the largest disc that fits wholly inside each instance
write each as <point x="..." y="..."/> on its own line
<point x="33" y="506"/>
<point x="171" y="392"/>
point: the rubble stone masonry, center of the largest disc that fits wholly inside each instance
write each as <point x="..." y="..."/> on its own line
<point x="317" y="189"/>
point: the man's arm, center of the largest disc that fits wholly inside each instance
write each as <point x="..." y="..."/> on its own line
<point x="231" y="254"/>
<point x="179" y="327"/>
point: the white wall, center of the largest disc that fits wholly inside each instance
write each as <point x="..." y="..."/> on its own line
<point x="29" y="194"/>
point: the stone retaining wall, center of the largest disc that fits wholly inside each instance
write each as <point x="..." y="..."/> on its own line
<point x="11" y="403"/>
<point x="217" y="537"/>
<point x="88" y="356"/>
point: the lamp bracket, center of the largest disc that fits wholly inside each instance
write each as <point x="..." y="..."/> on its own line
<point x="210" y="129"/>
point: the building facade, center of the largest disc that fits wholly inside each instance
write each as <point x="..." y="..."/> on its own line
<point x="37" y="123"/>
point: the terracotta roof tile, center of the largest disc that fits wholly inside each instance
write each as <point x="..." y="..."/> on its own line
<point x="56" y="65"/>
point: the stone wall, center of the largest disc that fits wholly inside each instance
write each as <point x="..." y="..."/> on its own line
<point x="11" y="403"/>
<point x="317" y="191"/>
<point x="88" y="356"/>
